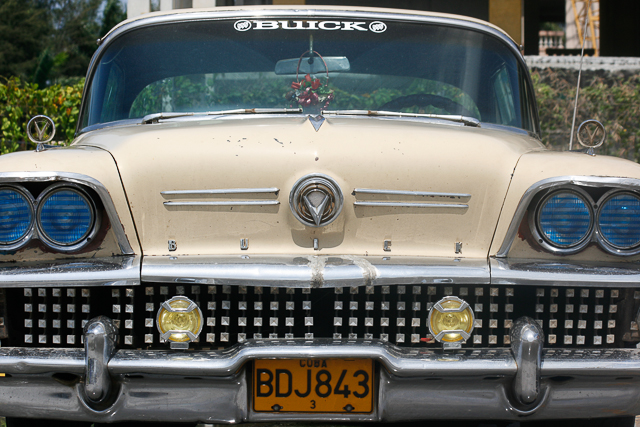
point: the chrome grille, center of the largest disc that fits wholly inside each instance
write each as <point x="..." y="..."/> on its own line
<point x="570" y="317"/>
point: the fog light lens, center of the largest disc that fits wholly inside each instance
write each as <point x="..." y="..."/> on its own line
<point x="451" y="320"/>
<point x="179" y="320"/>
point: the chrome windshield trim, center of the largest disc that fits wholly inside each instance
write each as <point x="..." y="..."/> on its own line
<point x="273" y="190"/>
<point x="95" y="185"/>
<point x="465" y="120"/>
<point x="563" y="273"/>
<point x="112" y="271"/>
<point x="313" y="271"/>
<point x="587" y="181"/>
<point x="226" y="203"/>
<point x="409" y="205"/>
<point x="307" y="13"/>
<point x="410" y="193"/>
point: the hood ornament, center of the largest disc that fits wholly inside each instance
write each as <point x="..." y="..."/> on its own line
<point x="316" y="200"/>
<point x="591" y="135"/>
<point x="41" y="130"/>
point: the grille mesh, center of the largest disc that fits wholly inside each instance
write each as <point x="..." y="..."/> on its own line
<point x="570" y="317"/>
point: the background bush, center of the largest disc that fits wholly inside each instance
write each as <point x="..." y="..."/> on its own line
<point x="611" y="98"/>
<point x="20" y="101"/>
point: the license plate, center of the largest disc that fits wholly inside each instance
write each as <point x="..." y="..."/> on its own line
<point x="313" y="385"/>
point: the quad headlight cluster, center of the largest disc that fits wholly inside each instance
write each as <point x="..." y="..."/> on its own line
<point x="567" y="220"/>
<point x="63" y="217"/>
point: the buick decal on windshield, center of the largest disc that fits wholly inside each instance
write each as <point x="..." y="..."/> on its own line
<point x="374" y="27"/>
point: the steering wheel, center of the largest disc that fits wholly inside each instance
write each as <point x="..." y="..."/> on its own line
<point x="423" y="99"/>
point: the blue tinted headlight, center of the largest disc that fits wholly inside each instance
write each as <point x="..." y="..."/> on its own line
<point x="619" y="220"/>
<point x="65" y="216"/>
<point x="15" y="216"/>
<point x="565" y="219"/>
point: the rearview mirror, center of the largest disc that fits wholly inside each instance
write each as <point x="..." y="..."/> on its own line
<point x="313" y="65"/>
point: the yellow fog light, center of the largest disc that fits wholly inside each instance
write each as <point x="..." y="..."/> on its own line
<point x="451" y="321"/>
<point x="179" y="321"/>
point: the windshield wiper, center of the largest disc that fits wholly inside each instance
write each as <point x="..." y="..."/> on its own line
<point x="467" y="121"/>
<point x="156" y="117"/>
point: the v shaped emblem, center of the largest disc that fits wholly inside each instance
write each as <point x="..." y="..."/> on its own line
<point x="316" y="209"/>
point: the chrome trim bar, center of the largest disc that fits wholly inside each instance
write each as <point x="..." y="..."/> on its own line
<point x="273" y="190"/>
<point x="563" y="273"/>
<point x="112" y="271"/>
<point x="404" y="362"/>
<point x="313" y="271"/>
<point x="409" y="205"/>
<point x="477" y="379"/>
<point x="226" y="203"/>
<point x="410" y="193"/>
<point x="586" y="181"/>
<point x="95" y="185"/>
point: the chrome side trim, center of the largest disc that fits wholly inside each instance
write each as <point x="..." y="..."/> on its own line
<point x="112" y="271"/>
<point x="226" y="203"/>
<point x="408" y="205"/>
<point x="313" y="271"/>
<point x="95" y="185"/>
<point x="410" y="193"/>
<point x="222" y="191"/>
<point x="563" y="273"/>
<point x="588" y="181"/>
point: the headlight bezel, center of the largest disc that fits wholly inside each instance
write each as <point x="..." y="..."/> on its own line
<point x="541" y="237"/>
<point x="608" y="246"/>
<point x="18" y="243"/>
<point x="92" y="229"/>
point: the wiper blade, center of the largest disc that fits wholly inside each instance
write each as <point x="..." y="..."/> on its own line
<point x="156" y="117"/>
<point x="467" y="121"/>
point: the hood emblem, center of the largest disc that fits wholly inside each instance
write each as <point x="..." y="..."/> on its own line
<point x="316" y="200"/>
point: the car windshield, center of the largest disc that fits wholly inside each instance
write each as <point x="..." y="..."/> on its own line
<point x="330" y="64"/>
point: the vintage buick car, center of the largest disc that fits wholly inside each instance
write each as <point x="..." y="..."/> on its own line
<point x="315" y="214"/>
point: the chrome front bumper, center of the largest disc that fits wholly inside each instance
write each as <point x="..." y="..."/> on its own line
<point x="103" y="385"/>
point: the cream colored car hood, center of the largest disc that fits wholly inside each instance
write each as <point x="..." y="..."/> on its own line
<point x="275" y="152"/>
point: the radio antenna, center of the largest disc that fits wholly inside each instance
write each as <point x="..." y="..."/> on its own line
<point x="575" y="105"/>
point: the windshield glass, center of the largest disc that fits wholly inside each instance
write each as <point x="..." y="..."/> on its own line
<point x="331" y="64"/>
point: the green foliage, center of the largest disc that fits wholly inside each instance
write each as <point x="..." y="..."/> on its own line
<point x="612" y="99"/>
<point x="20" y="101"/>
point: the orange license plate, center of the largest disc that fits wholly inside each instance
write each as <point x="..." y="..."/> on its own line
<point x="313" y="385"/>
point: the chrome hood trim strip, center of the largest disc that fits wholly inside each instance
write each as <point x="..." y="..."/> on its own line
<point x="409" y="199"/>
<point x="411" y="193"/>
<point x="313" y="271"/>
<point x="113" y="271"/>
<point x="563" y="273"/>
<point x="222" y="192"/>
